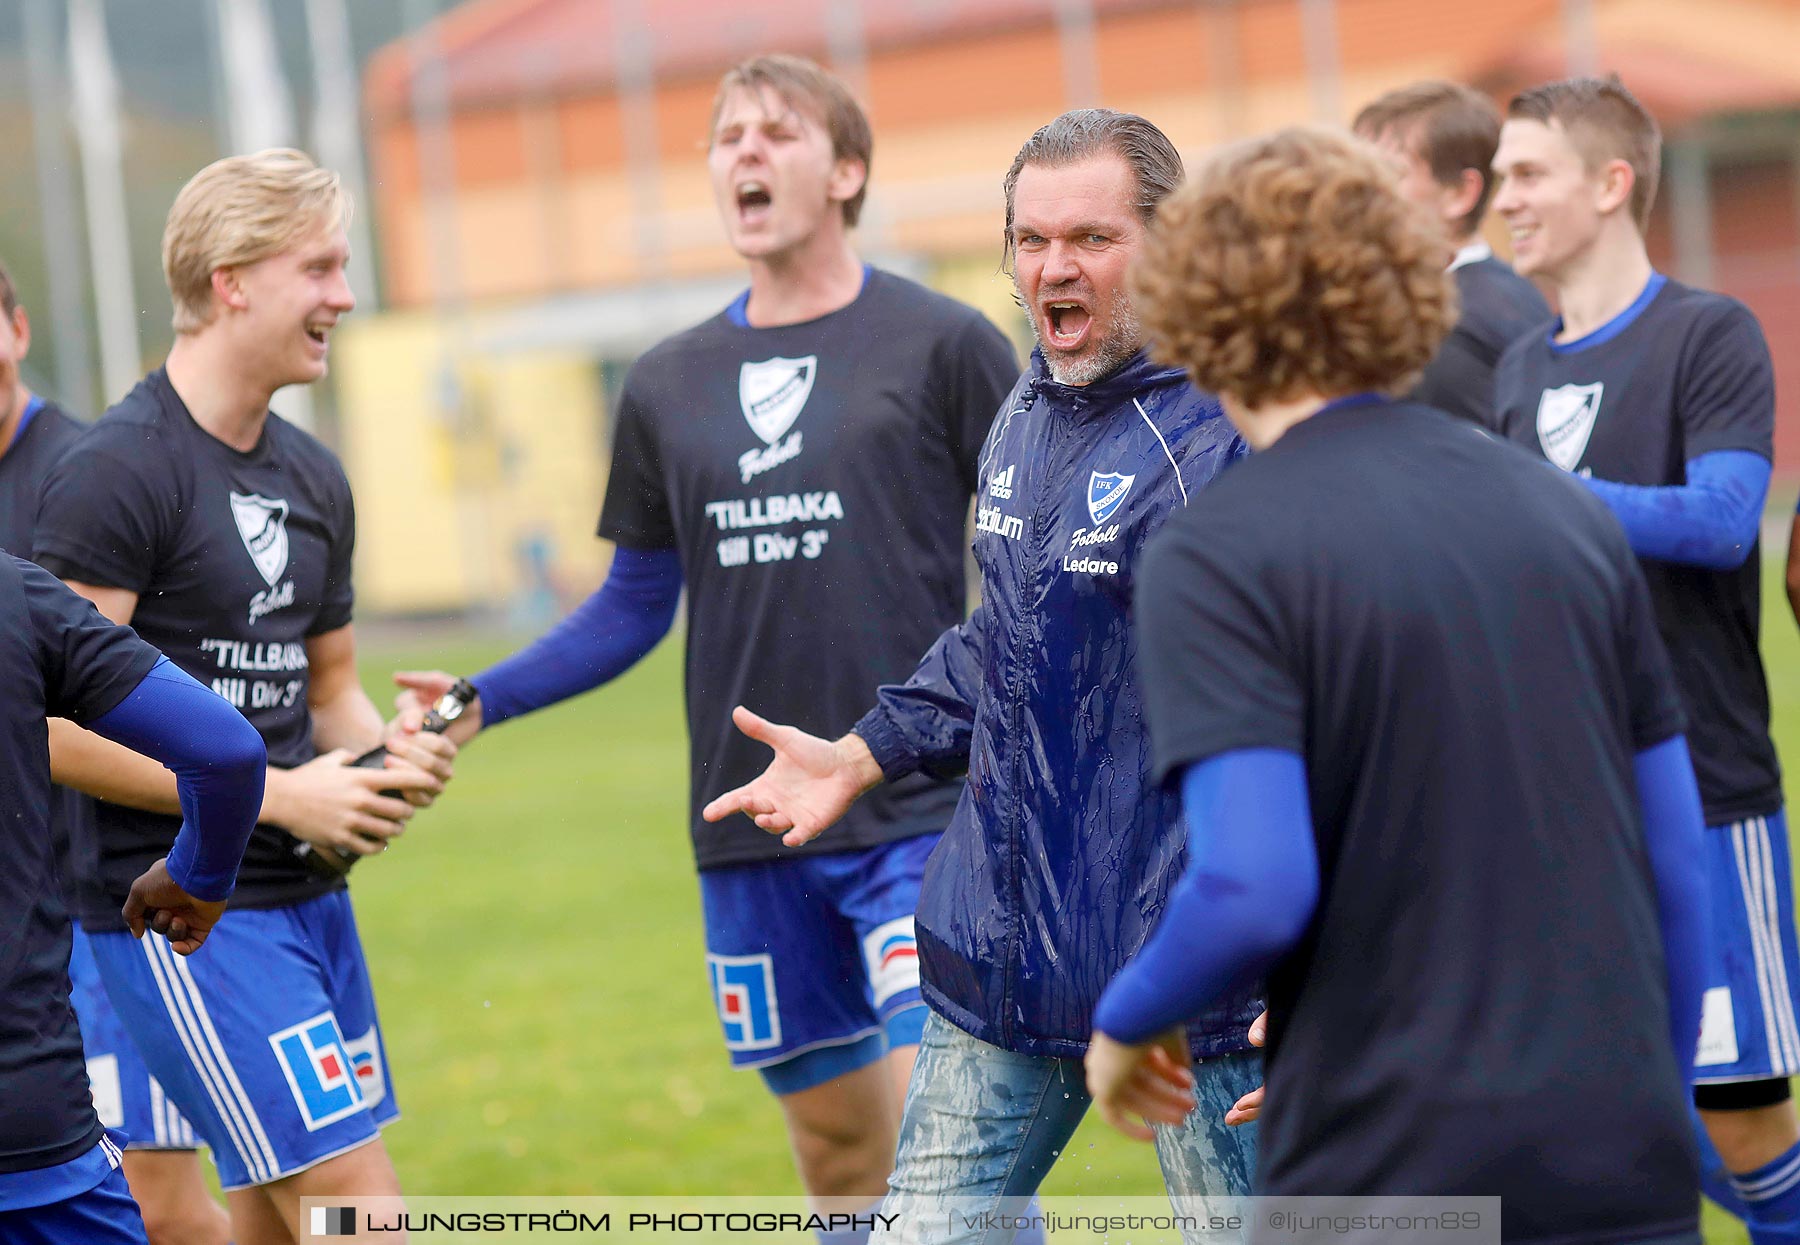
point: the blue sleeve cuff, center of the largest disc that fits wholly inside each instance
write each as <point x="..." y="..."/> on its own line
<point x="886" y="744"/>
<point x="219" y="763"/>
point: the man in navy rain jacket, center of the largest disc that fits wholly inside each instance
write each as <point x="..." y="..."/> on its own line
<point x="1062" y="851"/>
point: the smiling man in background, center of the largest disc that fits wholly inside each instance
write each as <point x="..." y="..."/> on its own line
<point x="1660" y="398"/>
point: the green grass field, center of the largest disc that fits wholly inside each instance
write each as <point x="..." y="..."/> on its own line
<point x="537" y="952"/>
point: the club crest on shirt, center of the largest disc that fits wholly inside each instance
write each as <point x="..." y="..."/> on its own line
<point x="773" y="392"/>
<point x="1565" y="421"/>
<point x="1106" y="493"/>
<point x="262" y="523"/>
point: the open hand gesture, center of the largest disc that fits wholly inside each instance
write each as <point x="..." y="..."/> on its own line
<point x="809" y="785"/>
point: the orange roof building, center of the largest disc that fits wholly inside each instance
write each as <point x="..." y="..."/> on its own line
<point x="539" y="176"/>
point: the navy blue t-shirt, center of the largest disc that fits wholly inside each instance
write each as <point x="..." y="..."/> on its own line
<point x="58" y="658"/>
<point x="24" y="467"/>
<point x="815" y="479"/>
<point x="1459" y="644"/>
<point x="238" y="559"/>
<point x="1680" y="373"/>
<point x="1498" y="308"/>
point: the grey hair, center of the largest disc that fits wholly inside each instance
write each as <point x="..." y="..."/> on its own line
<point x="1086" y="132"/>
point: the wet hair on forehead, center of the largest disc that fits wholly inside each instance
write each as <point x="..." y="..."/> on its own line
<point x="812" y="93"/>
<point x="1604" y="122"/>
<point x="1089" y="132"/>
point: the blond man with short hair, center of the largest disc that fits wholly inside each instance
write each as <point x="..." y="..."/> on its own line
<point x="1441" y="138"/>
<point x="223" y="534"/>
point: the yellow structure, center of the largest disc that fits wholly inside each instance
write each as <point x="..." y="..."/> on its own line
<point x="478" y="475"/>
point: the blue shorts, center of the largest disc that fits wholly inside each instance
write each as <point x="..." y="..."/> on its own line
<point x="103" y="1214"/>
<point x="266" y="1037"/>
<point x="1747" y="1028"/>
<point x="126" y="1096"/>
<point x="813" y="952"/>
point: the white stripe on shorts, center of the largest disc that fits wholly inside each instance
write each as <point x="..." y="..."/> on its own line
<point x="172" y="1128"/>
<point x="159" y="1113"/>
<point x="186" y="977"/>
<point x="1748" y="848"/>
<point x="1750" y="884"/>
<point x="203" y="1059"/>
<point x="1784" y="996"/>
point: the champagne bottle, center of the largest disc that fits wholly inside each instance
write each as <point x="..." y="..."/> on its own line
<point x="335" y="862"/>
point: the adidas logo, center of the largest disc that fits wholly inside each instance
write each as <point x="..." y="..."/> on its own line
<point x="1000" y="484"/>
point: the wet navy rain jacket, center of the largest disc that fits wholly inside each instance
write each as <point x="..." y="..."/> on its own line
<point x="1061" y="854"/>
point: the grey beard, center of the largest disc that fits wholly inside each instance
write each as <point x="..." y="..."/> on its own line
<point x="1122" y="338"/>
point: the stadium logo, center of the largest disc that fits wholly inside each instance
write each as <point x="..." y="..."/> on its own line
<point x="262" y="523"/>
<point x="892" y="956"/>
<point x="1565" y="421"/>
<point x="1106" y="493"/>
<point x="333" y="1221"/>
<point x="772" y="393"/>
<point x="744" y="990"/>
<point x="329" y="1079"/>
<point x="1000" y="484"/>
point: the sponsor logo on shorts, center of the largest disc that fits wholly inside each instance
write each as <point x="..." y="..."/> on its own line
<point x="365" y="1061"/>
<point x="1718" y="1029"/>
<point x="321" y="1070"/>
<point x="744" y="991"/>
<point x="108" y="1090"/>
<point x="892" y="955"/>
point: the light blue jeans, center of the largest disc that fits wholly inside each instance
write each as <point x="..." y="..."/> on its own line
<point x="983" y="1124"/>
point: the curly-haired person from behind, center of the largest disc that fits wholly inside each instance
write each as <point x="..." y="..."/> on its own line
<point x="1386" y="637"/>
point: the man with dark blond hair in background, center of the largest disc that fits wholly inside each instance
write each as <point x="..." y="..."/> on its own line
<point x="1441" y="137"/>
